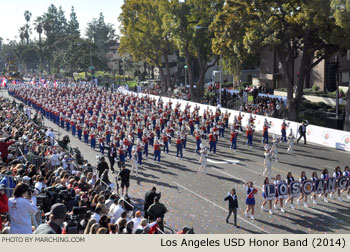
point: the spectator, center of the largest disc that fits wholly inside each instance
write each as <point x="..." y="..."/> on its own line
<point x="149" y="199"/>
<point x="3" y="204"/>
<point x="117" y="210"/>
<point x="157" y="210"/>
<point x="124" y="175"/>
<point x="137" y="220"/>
<point x="57" y="216"/>
<point x="21" y="207"/>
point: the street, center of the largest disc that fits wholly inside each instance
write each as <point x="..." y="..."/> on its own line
<point x="197" y="200"/>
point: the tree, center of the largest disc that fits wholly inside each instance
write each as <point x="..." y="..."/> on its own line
<point x="30" y="57"/>
<point x="73" y="24"/>
<point x="288" y="28"/>
<point x="341" y="9"/>
<point x="21" y="32"/>
<point x="188" y="24"/>
<point x="38" y="25"/>
<point x="144" y="37"/>
<point x="102" y="35"/>
<point x="228" y="41"/>
<point x="27" y="31"/>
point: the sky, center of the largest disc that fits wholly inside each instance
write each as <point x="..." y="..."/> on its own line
<point x="12" y="17"/>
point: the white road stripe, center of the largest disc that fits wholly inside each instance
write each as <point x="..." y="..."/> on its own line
<point x="242" y="219"/>
<point x="230" y="161"/>
<point x="227" y="174"/>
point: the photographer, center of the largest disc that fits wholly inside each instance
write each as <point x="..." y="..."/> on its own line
<point x="3" y="204"/>
<point x="21" y="207"/>
<point x="57" y="216"/>
<point x="149" y="199"/>
<point x="102" y="166"/>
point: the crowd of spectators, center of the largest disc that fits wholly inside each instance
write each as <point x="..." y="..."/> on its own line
<point x="40" y="177"/>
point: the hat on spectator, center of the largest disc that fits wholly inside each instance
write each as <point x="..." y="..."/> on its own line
<point x="9" y="173"/>
<point x="58" y="211"/>
<point x="26" y="178"/>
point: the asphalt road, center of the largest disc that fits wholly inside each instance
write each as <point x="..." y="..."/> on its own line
<point x="196" y="200"/>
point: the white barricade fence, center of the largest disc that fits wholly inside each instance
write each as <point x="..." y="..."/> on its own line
<point x="315" y="134"/>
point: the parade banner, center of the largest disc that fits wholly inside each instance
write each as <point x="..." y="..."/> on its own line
<point x="282" y="190"/>
<point x="319" y="186"/>
<point x="270" y="192"/>
<point x="307" y="187"/>
<point x="331" y="184"/>
<point x="295" y="189"/>
<point x="342" y="182"/>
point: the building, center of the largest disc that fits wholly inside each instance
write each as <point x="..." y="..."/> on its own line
<point x="272" y="73"/>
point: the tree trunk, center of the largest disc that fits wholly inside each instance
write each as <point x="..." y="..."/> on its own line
<point x="287" y="64"/>
<point x="168" y="72"/>
<point x="189" y="72"/>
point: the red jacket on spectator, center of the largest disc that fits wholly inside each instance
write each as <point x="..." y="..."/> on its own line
<point x="4" y="149"/>
<point x="3" y="206"/>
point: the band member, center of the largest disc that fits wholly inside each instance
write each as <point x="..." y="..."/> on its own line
<point x="314" y="178"/>
<point x="134" y="161"/>
<point x="234" y="135"/>
<point x="86" y="135"/>
<point x="275" y="143"/>
<point x="250" y="201"/>
<point x="337" y="174"/>
<point x="279" y="198"/>
<point x="265" y="132"/>
<point x="266" y="182"/>
<point x="284" y="127"/>
<point x="197" y="135"/>
<point x="203" y="159"/>
<point x="325" y="177"/>
<point x="267" y="161"/>
<point x="289" y="180"/>
<point x="145" y="140"/>
<point x="249" y="136"/>
<point x="165" y="142"/>
<point x="156" y="148"/>
<point x="101" y="141"/>
<point x="302" y="196"/>
<point x="139" y="147"/>
<point x="184" y="137"/>
<point x="122" y="152"/>
<point x="290" y="141"/>
<point x="347" y="174"/>
<point x="79" y="131"/>
<point x="212" y="141"/>
<point x="92" y="139"/>
<point x="239" y="121"/>
<point x="179" y="146"/>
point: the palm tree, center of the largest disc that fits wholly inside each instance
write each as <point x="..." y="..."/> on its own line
<point x="27" y="16"/>
<point x="21" y="32"/>
<point x="38" y="25"/>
